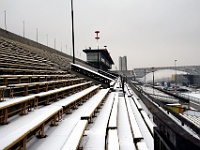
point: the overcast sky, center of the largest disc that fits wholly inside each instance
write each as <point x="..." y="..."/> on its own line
<point x="150" y="33"/>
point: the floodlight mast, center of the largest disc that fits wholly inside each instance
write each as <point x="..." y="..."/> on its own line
<point x="72" y="16"/>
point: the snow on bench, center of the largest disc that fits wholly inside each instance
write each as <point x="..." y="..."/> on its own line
<point x="133" y="123"/>
<point x="62" y="90"/>
<point x="5" y="107"/>
<point x="29" y="102"/>
<point x="24" y="87"/>
<point x="100" y="96"/>
<point x="139" y="107"/>
<point x="92" y="75"/>
<point x="112" y="83"/>
<point x="113" y="141"/>
<point x="19" y="137"/>
<point x="142" y="145"/>
<point x="18" y="78"/>
<point x="127" y="89"/>
<point x="148" y="122"/>
<point x="72" y="100"/>
<point x="89" y="70"/>
<point x="144" y="130"/>
<point x="114" y="114"/>
<point x="74" y="140"/>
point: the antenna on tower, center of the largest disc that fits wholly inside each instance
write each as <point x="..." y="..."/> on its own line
<point x="97" y="38"/>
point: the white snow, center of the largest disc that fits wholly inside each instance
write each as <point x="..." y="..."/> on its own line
<point x="114" y="113"/>
<point x="113" y="143"/>
<point x="134" y="125"/>
<point x="99" y="97"/>
<point x="95" y="138"/>
<point x="161" y="75"/>
<point x="76" y="135"/>
<point x="124" y="130"/>
<point x="27" y="125"/>
<point x="91" y="71"/>
<point x="143" y="128"/>
<point x="142" y="145"/>
<point x="95" y="135"/>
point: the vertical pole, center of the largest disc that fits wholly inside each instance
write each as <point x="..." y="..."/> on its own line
<point x="5" y="19"/>
<point x="175" y="71"/>
<point x="66" y="48"/>
<point x="23" y="28"/>
<point x="153" y="80"/>
<point x="72" y="15"/>
<point x="47" y="40"/>
<point x="54" y="43"/>
<point x="36" y="34"/>
<point x="144" y="76"/>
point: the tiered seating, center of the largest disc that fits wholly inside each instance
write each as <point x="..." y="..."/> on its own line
<point x="19" y="59"/>
<point x="27" y="81"/>
<point x="92" y="75"/>
<point x="114" y="114"/>
<point x="52" y="57"/>
<point x="140" y="109"/>
<point x="112" y="133"/>
<point x="90" y="113"/>
<point x="54" y="95"/>
<point x="113" y="142"/>
<point x="17" y="139"/>
<point x="134" y="125"/>
<point x="74" y="140"/>
<point x="36" y="87"/>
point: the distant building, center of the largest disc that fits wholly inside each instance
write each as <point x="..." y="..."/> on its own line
<point x="188" y="79"/>
<point x="99" y="58"/>
<point x="123" y="63"/>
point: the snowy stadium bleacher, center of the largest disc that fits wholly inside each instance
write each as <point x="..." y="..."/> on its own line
<point x="46" y="102"/>
<point x="43" y="101"/>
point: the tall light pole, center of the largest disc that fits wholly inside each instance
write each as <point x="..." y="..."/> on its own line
<point x="54" y="43"/>
<point x="23" y="28"/>
<point x="36" y="34"/>
<point x="47" y="40"/>
<point x="5" y="20"/>
<point x="175" y="70"/>
<point x="153" y="69"/>
<point x="72" y="15"/>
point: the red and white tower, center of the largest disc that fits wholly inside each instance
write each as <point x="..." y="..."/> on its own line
<point x="97" y="38"/>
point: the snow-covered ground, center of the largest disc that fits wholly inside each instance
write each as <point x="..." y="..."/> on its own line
<point x="193" y="96"/>
<point x="159" y="95"/>
<point x="160" y="75"/>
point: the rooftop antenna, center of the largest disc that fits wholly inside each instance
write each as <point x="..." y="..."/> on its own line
<point x="97" y="38"/>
